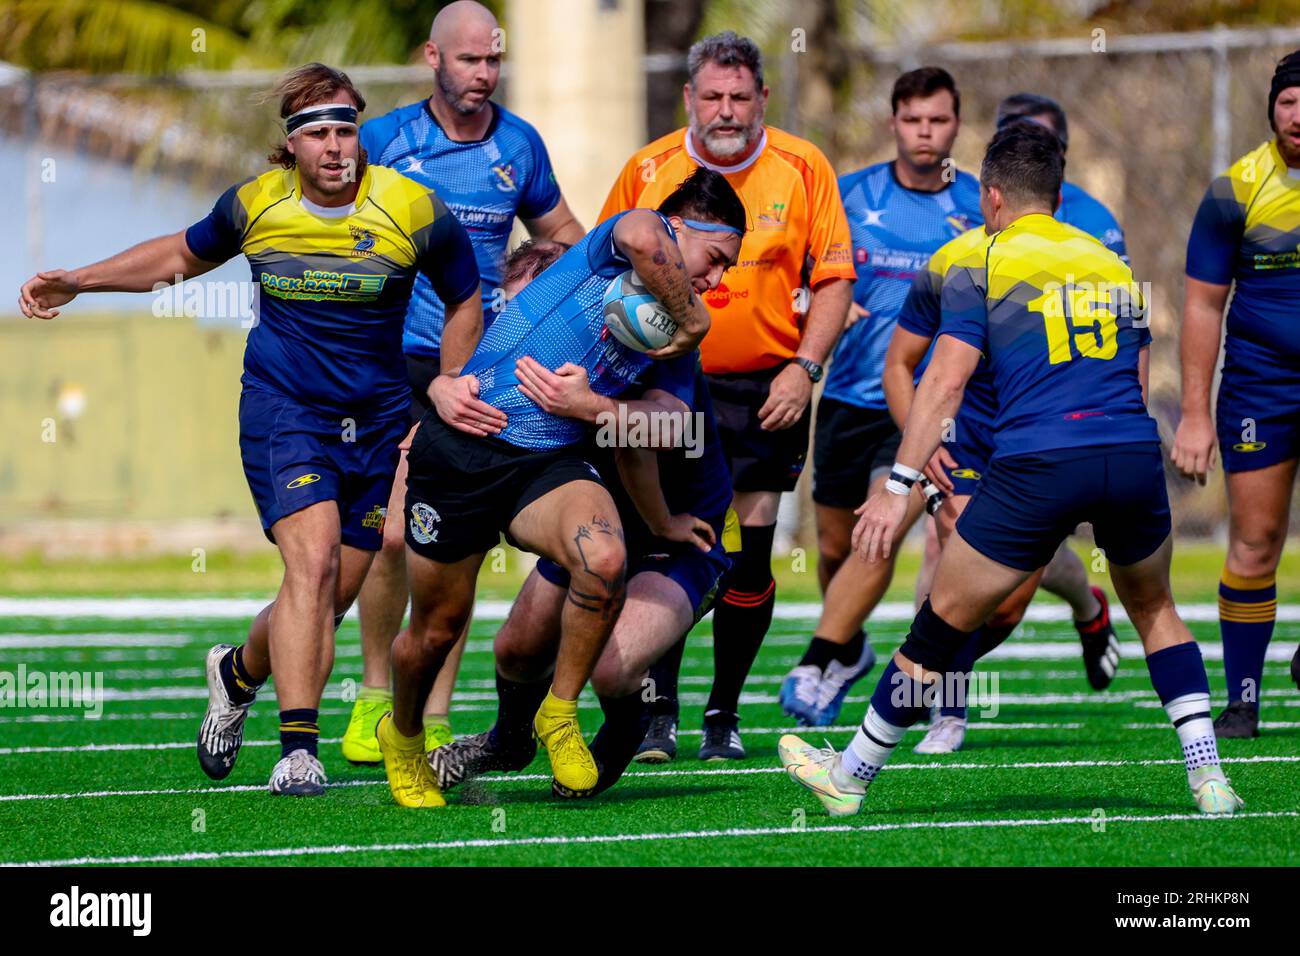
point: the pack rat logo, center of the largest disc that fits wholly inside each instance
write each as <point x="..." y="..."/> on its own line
<point x="423" y="519"/>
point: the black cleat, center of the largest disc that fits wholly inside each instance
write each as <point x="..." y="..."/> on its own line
<point x="660" y="744"/>
<point x="1100" y="645"/>
<point x="222" y="732"/>
<point x="468" y="757"/>
<point x="1295" y="668"/>
<point x="1238" y="720"/>
<point x="721" y="739"/>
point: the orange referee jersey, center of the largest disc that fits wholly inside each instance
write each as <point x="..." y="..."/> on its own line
<point x="797" y="236"/>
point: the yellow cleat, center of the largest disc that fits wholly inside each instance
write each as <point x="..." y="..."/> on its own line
<point x="409" y="777"/>
<point x="359" y="743"/>
<point x="437" y="735"/>
<point x="572" y="766"/>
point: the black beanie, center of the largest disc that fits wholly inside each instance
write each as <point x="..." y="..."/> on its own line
<point x="1286" y="75"/>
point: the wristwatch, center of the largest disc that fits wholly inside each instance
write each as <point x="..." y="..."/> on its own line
<point x="815" y="371"/>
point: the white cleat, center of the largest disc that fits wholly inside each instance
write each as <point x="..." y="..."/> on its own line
<point x="298" y="775"/>
<point x="795" y="751"/>
<point x="945" y="736"/>
<point x="1216" y="797"/>
<point x="798" y="694"/>
<point x="840" y="794"/>
<point x="222" y="730"/>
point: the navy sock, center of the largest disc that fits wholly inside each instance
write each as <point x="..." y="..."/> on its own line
<point x="299" y="730"/>
<point x="663" y="675"/>
<point x="234" y="675"/>
<point x="517" y="704"/>
<point x="1247" y="609"/>
<point x="898" y="699"/>
<point x="747" y="596"/>
<point x="955" y="688"/>
<point x="626" y="721"/>
<point x="1178" y="671"/>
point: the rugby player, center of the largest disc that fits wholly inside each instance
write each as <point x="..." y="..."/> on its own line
<point x="765" y="350"/>
<point x="489" y="167"/>
<point x="335" y="246"/>
<point x="531" y="481"/>
<point x="672" y="500"/>
<point x="1246" y="233"/>
<point x="899" y="212"/>
<point x="1062" y="326"/>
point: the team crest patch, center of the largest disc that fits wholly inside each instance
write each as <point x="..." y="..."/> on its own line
<point x="302" y="480"/>
<point x="374" y="518"/>
<point x="365" y="240"/>
<point x="1250" y="446"/>
<point x="423" y="519"/>
<point x="970" y="473"/>
<point x="505" y="176"/>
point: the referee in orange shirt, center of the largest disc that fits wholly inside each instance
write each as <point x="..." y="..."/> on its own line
<point x="764" y="351"/>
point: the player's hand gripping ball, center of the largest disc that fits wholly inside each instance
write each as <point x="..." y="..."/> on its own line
<point x="634" y="316"/>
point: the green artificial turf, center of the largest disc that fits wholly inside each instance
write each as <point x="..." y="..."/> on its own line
<point x="983" y="806"/>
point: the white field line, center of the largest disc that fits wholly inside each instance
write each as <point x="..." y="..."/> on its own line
<point x="217" y="608"/>
<point x="639" y="774"/>
<point x="24" y="641"/>
<point x="751" y="731"/>
<point x="339" y="849"/>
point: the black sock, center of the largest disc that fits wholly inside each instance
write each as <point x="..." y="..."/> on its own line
<point x="299" y="730"/>
<point x="234" y="675"/>
<point x="517" y="704"/>
<point x="626" y="721"/>
<point x="821" y="651"/>
<point x="741" y="617"/>
<point x="664" y="675"/>
<point x="991" y="635"/>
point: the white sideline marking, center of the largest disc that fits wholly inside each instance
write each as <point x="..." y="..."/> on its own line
<point x="216" y="608"/>
<point x="639" y="774"/>
<point x="344" y="848"/>
<point x="21" y="641"/>
<point x="187" y="744"/>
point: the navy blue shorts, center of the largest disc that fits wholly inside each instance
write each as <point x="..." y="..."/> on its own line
<point x="972" y="449"/>
<point x="295" y="457"/>
<point x="1026" y="505"/>
<point x="695" y="572"/>
<point x="1258" y="412"/>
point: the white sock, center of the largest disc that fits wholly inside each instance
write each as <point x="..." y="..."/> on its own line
<point x="870" y="748"/>
<point x="1191" y="718"/>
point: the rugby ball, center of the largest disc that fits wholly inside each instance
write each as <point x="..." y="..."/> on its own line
<point x="634" y="316"/>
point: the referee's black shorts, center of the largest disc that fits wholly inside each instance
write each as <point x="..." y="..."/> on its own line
<point x="759" y="460"/>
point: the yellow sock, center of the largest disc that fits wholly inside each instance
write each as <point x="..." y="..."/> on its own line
<point x="554" y="706"/>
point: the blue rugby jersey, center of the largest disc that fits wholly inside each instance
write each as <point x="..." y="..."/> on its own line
<point x="1247" y="230"/>
<point x="334" y="289"/>
<point x="557" y="318"/>
<point x="485" y="183"/>
<point x="1061" y="322"/>
<point x="894" y="231"/>
<point x="1082" y="211"/>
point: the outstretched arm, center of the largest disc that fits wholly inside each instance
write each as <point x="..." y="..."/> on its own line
<point x="139" y="269"/>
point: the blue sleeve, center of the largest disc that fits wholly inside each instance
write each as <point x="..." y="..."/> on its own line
<point x="965" y="308"/>
<point x="1216" y="235"/>
<point x="675" y="376"/>
<point x="921" y="308"/>
<point x="219" y="235"/>
<point x="541" y="192"/>
<point x="448" y="258"/>
<point x="372" y="140"/>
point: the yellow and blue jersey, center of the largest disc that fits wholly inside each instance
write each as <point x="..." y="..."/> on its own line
<point x="1061" y="322"/>
<point x="334" y="288"/>
<point x="557" y="318"/>
<point x="921" y="315"/>
<point x="1247" y="231"/>
<point x="894" y="232"/>
<point x="485" y="183"/>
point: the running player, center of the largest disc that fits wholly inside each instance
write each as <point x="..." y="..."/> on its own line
<point x="899" y="213"/>
<point x="673" y="504"/>
<point x="489" y="167"/>
<point x="962" y="459"/>
<point x="1246" y="232"/>
<point x="531" y="480"/>
<point x="335" y="246"/>
<point x="765" y="350"/>
<point x="1063" y="328"/>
